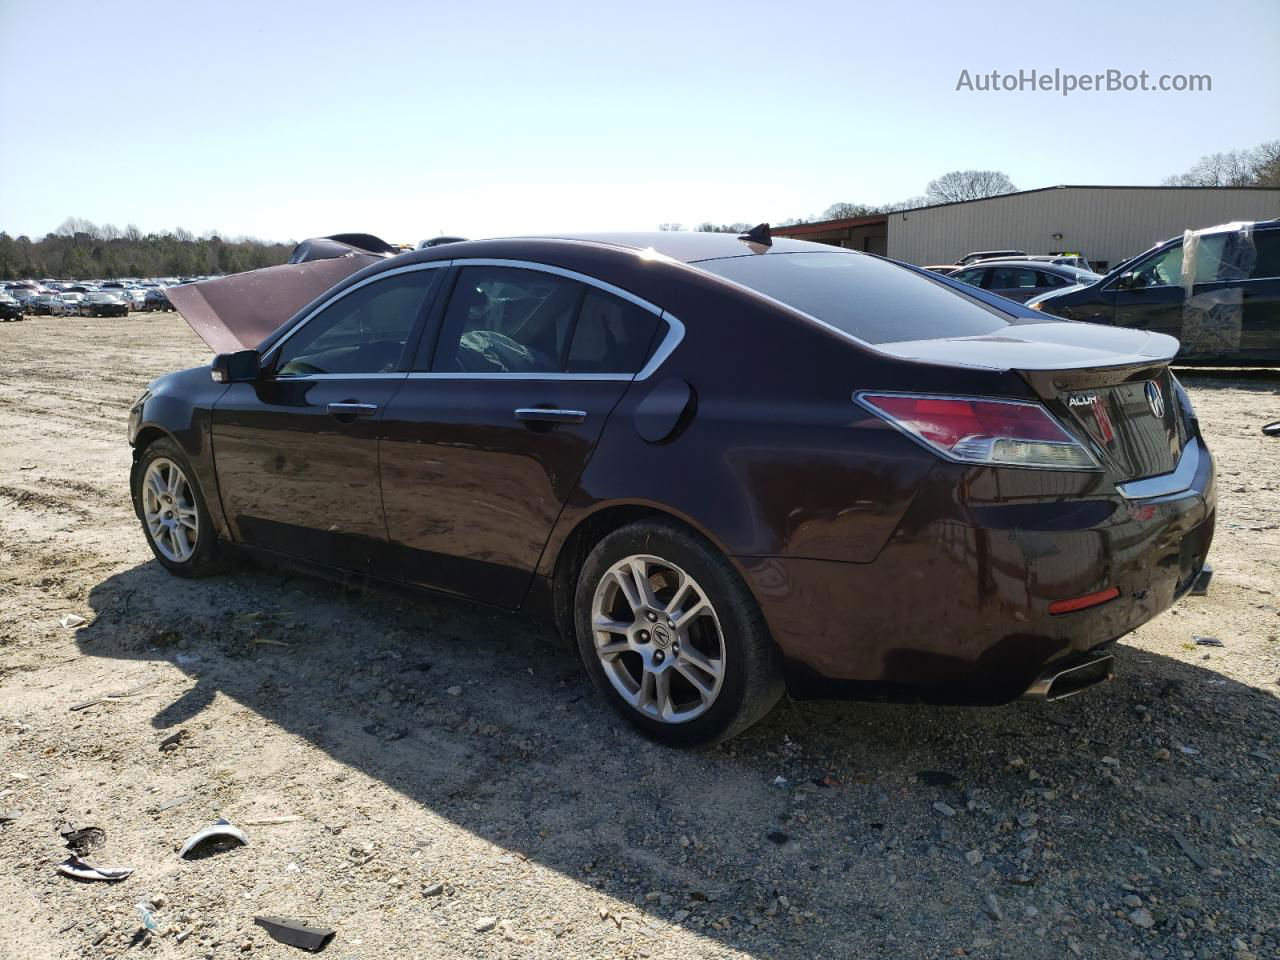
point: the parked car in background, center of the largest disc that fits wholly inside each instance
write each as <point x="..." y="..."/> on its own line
<point x="42" y="304"/>
<point x="977" y="255"/>
<point x="10" y="308"/>
<point x="1061" y="259"/>
<point x="952" y="499"/>
<point x="69" y="304"/>
<point x="1225" y="309"/>
<point x="135" y="297"/>
<point x="944" y="269"/>
<point x="1022" y="279"/>
<point x="103" y="304"/>
<point x="156" y="299"/>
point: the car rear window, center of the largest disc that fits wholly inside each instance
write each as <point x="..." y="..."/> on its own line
<point x="871" y="299"/>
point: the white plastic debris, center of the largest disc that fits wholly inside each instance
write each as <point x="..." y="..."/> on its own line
<point x="75" y="867"/>
<point x="70" y="621"/>
<point x="220" y="830"/>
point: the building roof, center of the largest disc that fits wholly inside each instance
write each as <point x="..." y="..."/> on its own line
<point x="820" y="226"/>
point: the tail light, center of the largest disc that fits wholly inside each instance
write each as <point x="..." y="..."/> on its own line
<point x="1013" y="433"/>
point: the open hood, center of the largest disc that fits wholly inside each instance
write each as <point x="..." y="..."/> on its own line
<point x="239" y="312"/>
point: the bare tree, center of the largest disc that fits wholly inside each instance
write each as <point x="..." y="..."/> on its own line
<point x="1252" y="167"/>
<point x="845" y="211"/>
<point x="968" y="185"/>
<point x="709" y="227"/>
<point x="670" y="227"/>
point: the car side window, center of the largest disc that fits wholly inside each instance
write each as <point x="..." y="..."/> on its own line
<point x="971" y="277"/>
<point x="362" y="332"/>
<point x="1012" y="278"/>
<point x="1267" y="264"/>
<point x="507" y="320"/>
<point x="611" y="336"/>
<point x="1163" y="269"/>
<point x="1051" y="280"/>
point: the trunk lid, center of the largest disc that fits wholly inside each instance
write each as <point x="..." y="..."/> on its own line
<point x="1111" y="387"/>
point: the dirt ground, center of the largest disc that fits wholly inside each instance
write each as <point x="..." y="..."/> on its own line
<point x="451" y="787"/>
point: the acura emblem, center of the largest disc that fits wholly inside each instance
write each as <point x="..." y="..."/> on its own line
<point x="1155" y="400"/>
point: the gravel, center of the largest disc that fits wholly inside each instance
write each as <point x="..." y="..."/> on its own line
<point x="519" y="819"/>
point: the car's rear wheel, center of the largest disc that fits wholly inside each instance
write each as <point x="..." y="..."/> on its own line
<point x="672" y="637"/>
<point x="173" y="512"/>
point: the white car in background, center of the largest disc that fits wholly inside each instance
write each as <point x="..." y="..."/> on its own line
<point x="67" y="305"/>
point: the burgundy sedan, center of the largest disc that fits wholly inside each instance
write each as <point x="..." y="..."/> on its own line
<point x="723" y="467"/>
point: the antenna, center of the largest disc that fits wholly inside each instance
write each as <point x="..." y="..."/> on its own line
<point x="758" y="234"/>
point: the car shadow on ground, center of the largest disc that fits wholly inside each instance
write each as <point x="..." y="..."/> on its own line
<point x="526" y="755"/>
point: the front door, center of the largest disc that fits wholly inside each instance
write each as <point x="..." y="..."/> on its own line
<point x="297" y="451"/>
<point x="487" y="439"/>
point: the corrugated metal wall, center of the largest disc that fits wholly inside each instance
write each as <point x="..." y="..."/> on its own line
<point x="1103" y="223"/>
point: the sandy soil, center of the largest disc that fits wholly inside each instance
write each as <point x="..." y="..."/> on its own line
<point x="515" y="817"/>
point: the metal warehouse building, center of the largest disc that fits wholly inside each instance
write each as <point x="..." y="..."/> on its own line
<point x="1106" y="224"/>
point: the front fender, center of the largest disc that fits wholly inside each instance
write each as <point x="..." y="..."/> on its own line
<point x="179" y="406"/>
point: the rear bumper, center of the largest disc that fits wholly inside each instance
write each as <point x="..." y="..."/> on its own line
<point x="955" y="609"/>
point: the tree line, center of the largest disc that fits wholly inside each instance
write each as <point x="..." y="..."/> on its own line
<point x="80" y="249"/>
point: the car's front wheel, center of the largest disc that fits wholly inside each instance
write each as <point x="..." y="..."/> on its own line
<point x="174" y="515"/>
<point x="672" y="637"/>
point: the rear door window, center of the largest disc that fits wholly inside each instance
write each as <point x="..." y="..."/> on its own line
<point x="866" y="297"/>
<point x="611" y="336"/>
<point x="1012" y="278"/>
<point x="507" y="320"/>
<point x="1267" y="264"/>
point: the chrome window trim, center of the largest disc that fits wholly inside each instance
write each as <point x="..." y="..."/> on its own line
<point x="1180" y="480"/>
<point x="275" y="347"/>
<point x="398" y="375"/>
<point x="666" y="346"/>
<point x="552" y="375"/>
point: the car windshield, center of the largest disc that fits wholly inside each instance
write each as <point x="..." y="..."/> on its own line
<point x="869" y="298"/>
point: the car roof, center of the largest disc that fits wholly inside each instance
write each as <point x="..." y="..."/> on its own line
<point x="1044" y="265"/>
<point x="681" y="245"/>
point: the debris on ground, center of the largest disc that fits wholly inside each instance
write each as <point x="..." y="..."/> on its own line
<point x="70" y="621"/>
<point x="81" y="840"/>
<point x="174" y="740"/>
<point x="146" y="913"/>
<point x="1207" y="642"/>
<point x="272" y="821"/>
<point x="293" y="933"/>
<point x="1201" y="587"/>
<point x="8" y="816"/>
<point x="75" y="867"/>
<point x="107" y="698"/>
<point x="221" y="835"/>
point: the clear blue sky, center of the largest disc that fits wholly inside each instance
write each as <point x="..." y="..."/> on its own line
<point x="488" y="118"/>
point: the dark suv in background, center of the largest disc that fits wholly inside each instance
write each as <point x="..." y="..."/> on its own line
<point x="1227" y="313"/>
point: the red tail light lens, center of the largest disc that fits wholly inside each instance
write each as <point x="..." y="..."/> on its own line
<point x="977" y="430"/>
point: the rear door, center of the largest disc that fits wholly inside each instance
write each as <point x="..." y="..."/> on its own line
<point x="491" y="431"/>
<point x="297" y="451"/>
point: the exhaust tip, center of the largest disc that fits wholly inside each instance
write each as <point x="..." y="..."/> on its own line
<point x="1062" y="682"/>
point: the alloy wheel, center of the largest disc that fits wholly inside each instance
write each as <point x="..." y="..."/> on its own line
<point x="169" y="509"/>
<point x="658" y="638"/>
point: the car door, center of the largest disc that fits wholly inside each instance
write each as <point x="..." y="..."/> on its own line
<point x="491" y="431"/>
<point x="296" y="452"/>
<point x="1150" y="295"/>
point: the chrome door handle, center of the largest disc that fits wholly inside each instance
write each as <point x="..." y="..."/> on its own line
<point x="352" y="409"/>
<point x="549" y="415"/>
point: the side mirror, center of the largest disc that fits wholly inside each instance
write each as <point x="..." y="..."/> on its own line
<point x="239" y="367"/>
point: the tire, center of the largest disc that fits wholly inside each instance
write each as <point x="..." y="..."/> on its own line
<point x="679" y="570"/>
<point x="203" y="555"/>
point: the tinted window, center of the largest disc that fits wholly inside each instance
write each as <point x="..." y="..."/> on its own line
<point x="505" y="320"/>
<point x="1012" y="278"/>
<point x="973" y="277"/>
<point x="1267" y="264"/>
<point x="869" y="298"/>
<point x="1052" y="280"/>
<point x="612" y="335"/>
<point x="363" y="332"/>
